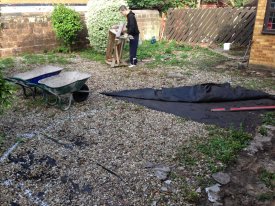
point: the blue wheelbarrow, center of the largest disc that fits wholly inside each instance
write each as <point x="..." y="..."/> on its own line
<point x="55" y="86"/>
<point x="29" y="80"/>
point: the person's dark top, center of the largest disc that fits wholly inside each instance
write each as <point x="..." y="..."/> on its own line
<point x="132" y="27"/>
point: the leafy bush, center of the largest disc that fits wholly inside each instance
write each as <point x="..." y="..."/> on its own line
<point x="6" y="63"/>
<point x="161" y="5"/>
<point x="209" y="1"/>
<point x="6" y="91"/>
<point x="239" y="3"/>
<point x="101" y="15"/>
<point x="66" y="24"/>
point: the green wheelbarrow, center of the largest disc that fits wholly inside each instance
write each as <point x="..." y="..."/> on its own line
<point x="65" y="87"/>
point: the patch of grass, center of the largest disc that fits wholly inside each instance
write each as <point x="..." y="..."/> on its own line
<point x="186" y="156"/>
<point x="206" y="154"/>
<point x="188" y="73"/>
<point x="191" y="195"/>
<point x="266" y="196"/>
<point x="6" y="63"/>
<point x="224" y="145"/>
<point x="148" y="50"/>
<point x="34" y="59"/>
<point x="269" y="118"/>
<point x="187" y="190"/>
<point x="52" y="58"/>
<point x="92" y="55"/>
<point x="21" y="140"/>
<point x="257" y="83"/>
<point x="263" y="131"/>
<point x="214" y="166"/>
<point x="268" y="178"/>
<point x="31" y="59"/>
<point x="183" y="56"/>
<point x="238" y="52"/>
<point x="180" y="120"/>
<point x="204" y="59"/>
<point x="204" y="181"/>
<point x="37" y="102"/>
<point x="139" y="108"/>
<point x="171" y="53"/>
<point x="3" y="139"/>
<point x="216" y="151"/>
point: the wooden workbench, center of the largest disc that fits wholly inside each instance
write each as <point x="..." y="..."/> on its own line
<point x="114" y="50"/>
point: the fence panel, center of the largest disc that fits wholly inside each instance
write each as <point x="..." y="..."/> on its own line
<point x="211" y="26"/>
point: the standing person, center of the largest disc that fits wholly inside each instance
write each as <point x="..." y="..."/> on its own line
<point x="133" y="32"/>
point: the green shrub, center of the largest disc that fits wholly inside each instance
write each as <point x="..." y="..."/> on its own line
<point x="209" y="1"/>
<point x="160" y="5"/>
<point x="66" y="24"/>
<point x="6" y="91"/>
<point x="101" y="15"/>
<point x="6" y="63"/>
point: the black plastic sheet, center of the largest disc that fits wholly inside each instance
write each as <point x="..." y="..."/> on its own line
<point x="195" y="103"/>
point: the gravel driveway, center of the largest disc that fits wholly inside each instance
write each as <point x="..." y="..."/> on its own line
<point x="102" y="151"/>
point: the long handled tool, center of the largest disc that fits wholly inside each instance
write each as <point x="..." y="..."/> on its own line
<point x="235" y="109"/>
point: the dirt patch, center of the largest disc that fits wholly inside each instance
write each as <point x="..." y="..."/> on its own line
<point x="252" y="176"/>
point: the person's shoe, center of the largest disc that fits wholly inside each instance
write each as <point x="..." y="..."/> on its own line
<point x="132" y="65"/>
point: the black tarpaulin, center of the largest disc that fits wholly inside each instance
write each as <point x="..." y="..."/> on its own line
<point x="198" y="93"/>
<point x="195" y="103"/>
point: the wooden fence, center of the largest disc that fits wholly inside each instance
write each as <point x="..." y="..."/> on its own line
<point x="211" y="26"/>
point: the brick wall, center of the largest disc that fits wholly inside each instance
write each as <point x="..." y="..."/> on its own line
<point x="262" y="54"/>
<point x="32" y="32"/>
<point x="149" y="23"/>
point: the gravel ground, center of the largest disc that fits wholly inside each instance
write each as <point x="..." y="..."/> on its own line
<point x="102" y="151"/>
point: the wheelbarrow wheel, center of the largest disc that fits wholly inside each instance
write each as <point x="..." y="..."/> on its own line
<point x="82" y="94"/>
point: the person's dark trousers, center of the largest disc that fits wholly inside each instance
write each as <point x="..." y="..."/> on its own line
<point x="133" y="49"/>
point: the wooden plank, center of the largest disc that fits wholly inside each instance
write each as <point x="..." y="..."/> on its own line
<point x="110" y="45"/>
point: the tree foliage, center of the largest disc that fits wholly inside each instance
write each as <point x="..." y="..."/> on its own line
<point x="164" y="5"/>
<point x="66" y="24"/>
<point x="161" y="5"/>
